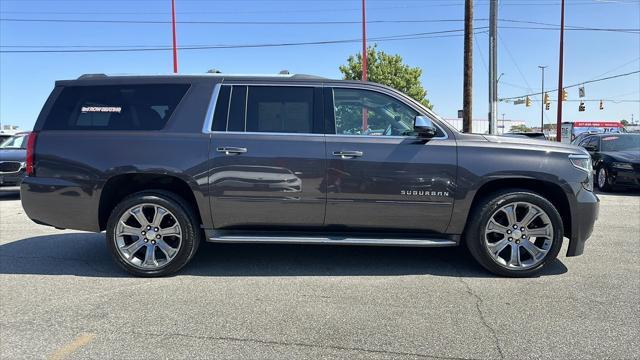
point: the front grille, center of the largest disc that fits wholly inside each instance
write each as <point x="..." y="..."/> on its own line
<point x="9" y="166"/>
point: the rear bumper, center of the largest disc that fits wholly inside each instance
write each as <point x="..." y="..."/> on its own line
<point x="583" y="217"/>
<point x="60" y="203"/>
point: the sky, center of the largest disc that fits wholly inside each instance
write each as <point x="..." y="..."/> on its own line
<point x="26" y="79"/>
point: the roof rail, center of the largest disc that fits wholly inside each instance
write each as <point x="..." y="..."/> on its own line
<point x="91" y="76"/>
<point x="307" y="76"/>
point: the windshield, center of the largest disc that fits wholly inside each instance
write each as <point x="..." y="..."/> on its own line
<point x="15" y="142"/>
<point x="621" y="143"/>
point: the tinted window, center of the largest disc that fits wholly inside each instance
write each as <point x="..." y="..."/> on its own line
<point x="237" y="109"/>
<point x="222" y="109"/>
<point x="584" y="141"/>
<point x="364" y="112"/>
<point x="14" y="142"/>
<point x="619" y="142"/>
<point x="115" y="107"/>
<point x="280" y="109"/>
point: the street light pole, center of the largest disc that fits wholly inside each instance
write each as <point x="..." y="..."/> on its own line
<point x="173" y="28"/>
<point x="542" y="101"/>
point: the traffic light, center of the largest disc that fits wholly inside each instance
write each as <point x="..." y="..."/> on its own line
<point x="601" y="105"/>
<point x="527" y="101"/>
<point x="581" y="107"/>
<point x="546" y="98"/>
<point x="565" y="95"/>
<point x="547" y="106"/>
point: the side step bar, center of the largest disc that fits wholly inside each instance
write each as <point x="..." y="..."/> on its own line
<point x="287" y="238"/>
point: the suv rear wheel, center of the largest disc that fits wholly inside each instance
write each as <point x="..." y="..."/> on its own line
<point x="152" y="233"/>
<point x="514" y="233"/>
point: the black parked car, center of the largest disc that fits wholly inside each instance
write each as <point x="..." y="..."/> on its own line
<point x="163" y="162"/>
<point x="616" y="159"/>
<point x="13" y="157"/>
<point x="528" y="135"/>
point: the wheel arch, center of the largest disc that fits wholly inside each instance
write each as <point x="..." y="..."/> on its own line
<point x="120" y="186"/>
<point x="553" y="192"/>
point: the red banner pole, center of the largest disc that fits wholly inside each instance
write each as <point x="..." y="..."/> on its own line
<point x="173" y="26"/>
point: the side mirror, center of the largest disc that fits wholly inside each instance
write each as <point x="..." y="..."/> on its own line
<point x="424" y="127"/>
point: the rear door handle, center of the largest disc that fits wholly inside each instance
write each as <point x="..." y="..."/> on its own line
<point x="348" y="154"/>
<point x="230" y="150"/>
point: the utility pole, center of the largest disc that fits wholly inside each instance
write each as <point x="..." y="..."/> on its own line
<point x="542" y="101"/>
<point x="468" y="68"/>
<point x="493" y="66"/>
<point x="173" y="28"/>
<point x="365" y="111"/>
<point x="364" y="40"/>
<point x="560" y="88"/>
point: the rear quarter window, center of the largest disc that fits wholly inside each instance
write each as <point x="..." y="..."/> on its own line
<point x="115" y="107"/>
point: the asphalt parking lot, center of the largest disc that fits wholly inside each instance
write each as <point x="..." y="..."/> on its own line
<point x="61" y="297"/>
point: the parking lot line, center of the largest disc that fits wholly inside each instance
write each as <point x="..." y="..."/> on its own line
<point x="69" y="348"/>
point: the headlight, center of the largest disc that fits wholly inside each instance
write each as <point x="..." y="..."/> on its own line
<point x="582" y="162"/>
<point x="622" y="166"/>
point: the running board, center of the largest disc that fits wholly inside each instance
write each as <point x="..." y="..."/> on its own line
<point x="235" y="237"/>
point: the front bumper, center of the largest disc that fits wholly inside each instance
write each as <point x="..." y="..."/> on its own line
<point x="11" y="178"/>
<point x="584" y="214"/>
<point x="626" y="178"/>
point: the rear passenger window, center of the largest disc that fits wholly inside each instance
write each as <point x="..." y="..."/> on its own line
<point x="280" y="109"/>
<point x="115" y="107"/>
<point x="237" y="109"/>
<point x="222" y="109"/>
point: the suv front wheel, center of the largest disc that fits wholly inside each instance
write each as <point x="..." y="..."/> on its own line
<point x="152" y="233"/>
<point x="514" y="233"/>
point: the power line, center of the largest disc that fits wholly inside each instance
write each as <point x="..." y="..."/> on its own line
<point x="426" y="35"/>
<point x="548" y="26"/>
<point x="504" y="44"/>
<point x="442" y="3"/>
<point x="593" y="100"/>
<point x="574" y="85"/>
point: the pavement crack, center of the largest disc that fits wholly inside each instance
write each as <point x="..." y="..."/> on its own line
<point x="306" y="345"/>
<point x="478" y="303"/>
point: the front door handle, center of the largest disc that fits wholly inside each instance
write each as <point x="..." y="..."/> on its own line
<point x="348" y="154"/>
<point x="230" y="150"/>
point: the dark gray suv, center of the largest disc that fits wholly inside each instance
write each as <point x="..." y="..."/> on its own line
<point x="163" y="162"/>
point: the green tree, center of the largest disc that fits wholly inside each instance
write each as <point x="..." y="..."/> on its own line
<point x="624" y="122"/>
<point x="519" y="128"/>
<point x="388" y="70"/>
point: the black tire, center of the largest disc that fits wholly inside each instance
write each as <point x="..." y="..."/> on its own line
<point x="483" y="211"/>
<point x="184" y="215"/>
<point x="607" y="180"/>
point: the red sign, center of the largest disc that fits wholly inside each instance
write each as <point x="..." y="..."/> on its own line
<point x="598" y="124"/>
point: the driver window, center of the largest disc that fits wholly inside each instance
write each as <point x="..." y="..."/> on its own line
<point x="365" y="112"/>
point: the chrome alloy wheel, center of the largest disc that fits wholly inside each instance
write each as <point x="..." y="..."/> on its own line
<point x="602" y="178"/>
<point x="518" y="236"/>
<point x="148" y="236"/>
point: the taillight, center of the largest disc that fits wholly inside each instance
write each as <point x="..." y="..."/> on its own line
<point x="31" y="147"/>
